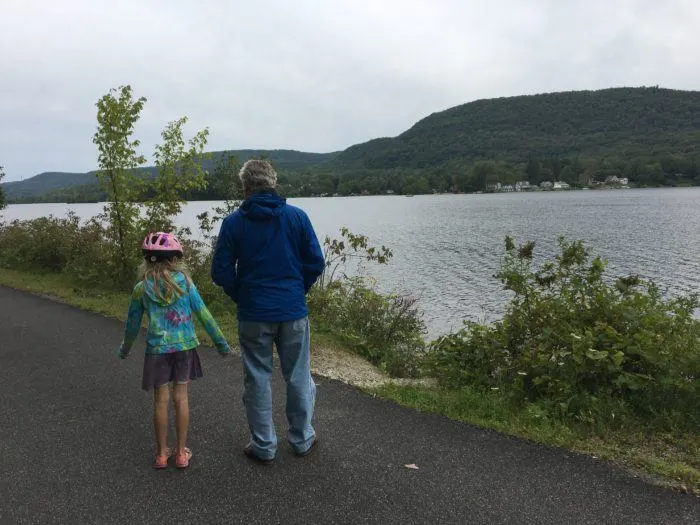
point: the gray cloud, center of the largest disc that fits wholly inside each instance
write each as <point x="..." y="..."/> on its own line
<point x="310" y="74"/>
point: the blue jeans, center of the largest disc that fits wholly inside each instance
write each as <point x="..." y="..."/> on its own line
<point x="293" y="346"/>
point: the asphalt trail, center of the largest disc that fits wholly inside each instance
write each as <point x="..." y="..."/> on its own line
<point x="76" y="447"/>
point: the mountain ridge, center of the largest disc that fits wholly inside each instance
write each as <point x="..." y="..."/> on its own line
<point x="46" y="182"/>
<point x="650" y="132"/>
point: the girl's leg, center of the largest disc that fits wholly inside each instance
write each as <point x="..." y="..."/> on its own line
<point x="182" y="416"/>
<point x="161" y="399"/>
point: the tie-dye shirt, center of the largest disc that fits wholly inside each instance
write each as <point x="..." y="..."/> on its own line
<point x="170" y="323"/>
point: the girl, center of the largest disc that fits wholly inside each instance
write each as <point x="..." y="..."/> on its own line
<point x="169" y="298"/>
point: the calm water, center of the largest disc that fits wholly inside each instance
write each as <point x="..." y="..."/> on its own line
<point x="447" y="247"/>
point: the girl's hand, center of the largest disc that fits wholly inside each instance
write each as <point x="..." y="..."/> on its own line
<point x="225" y="352"/>
<point x="121" y="354"/>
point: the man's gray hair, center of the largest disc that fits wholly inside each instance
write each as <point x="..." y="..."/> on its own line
<point x="257" y="174"/>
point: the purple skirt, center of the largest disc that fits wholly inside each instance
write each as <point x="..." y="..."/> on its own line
<point x="175" y="367"/>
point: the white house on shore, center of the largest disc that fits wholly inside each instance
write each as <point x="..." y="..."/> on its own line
<point x="623" y="181"/>
<point x="560" y="185"/>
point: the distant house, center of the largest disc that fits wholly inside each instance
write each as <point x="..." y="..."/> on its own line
<point x="560" y="185"/>
<point x="493" y="187"/>
<point x="546" y="185"/>
<point x="522" y="186"/>
<point x="508" y="188"/>
<point x="389" y="192"/>
<point x="622" y="181"/>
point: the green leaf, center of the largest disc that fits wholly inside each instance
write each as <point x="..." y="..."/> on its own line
<point x="618" y="357"/>
<point x="596" y="355"/>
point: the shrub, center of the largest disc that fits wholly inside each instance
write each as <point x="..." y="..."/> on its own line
<point x="581" y="343"/>
<point x="46" y="243"/>
<point x="92" y="262"/>
<point x="385" y="329"/>
<point x="63" y="245"/>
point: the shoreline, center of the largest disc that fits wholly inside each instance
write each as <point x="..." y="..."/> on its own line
<point x="601" y="187"/>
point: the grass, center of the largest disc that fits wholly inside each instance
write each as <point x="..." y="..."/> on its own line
<point x="104" y="302"/>
<point x="115" y="304"/>
<point x="669" y="459"/>
<point x="673" y="460"/>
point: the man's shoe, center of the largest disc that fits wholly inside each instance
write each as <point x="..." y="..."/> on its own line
<point x="248" y="451"/>
<point x="309" y="450"/>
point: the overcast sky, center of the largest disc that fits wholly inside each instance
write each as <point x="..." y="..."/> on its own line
<point x="311" y="75"/>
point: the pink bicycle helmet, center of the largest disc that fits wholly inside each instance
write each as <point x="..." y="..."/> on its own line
<point x="161" y="245"/>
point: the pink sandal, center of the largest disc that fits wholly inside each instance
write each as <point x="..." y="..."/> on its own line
<point x="183" y="460"/>
<point x="161" y="461"/>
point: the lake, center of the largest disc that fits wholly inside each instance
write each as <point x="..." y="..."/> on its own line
<point x="447" y="247"/>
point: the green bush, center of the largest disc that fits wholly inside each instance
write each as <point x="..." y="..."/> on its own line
<point x="86" y="253"/>
<point x="64" y="245"/>
<point x="582" y="344"/>
<point x="385" y="329"/>
<point x="47" y="243"/>
<point x="93" y="262"/>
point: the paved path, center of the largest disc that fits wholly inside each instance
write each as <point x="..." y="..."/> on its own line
<point x="76" y="444"/>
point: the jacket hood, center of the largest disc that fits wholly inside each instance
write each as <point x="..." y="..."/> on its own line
<point x="263" y="206"/>
<point x="150" y="290"/>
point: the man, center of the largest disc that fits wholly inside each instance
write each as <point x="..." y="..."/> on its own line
<point x="267" y="258"/>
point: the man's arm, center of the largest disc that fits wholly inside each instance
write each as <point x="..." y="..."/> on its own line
<point x="312" y="259"/>
<point x="223" y="265"/>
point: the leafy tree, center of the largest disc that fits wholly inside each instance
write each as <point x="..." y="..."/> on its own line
<point x="416" y="185"/>
<point x="2" y="192"/>
<point x="532" y="171"/>
<point x="225" y="180"/>
<point x="117" y="114"/>
<point x="349" y="187"/>
<point x="546" y="174"/>
<point x="350" y="247"/>
<point x="179" y="171"/>
<point x="569" y="176"/>
<point x="225" y="175"/>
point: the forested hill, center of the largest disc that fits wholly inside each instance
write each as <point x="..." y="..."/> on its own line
<point x="56" y="182"/>
<point x="44" y="183"/>
<point x="611" y="123"/>
<point x="649" y="136"/>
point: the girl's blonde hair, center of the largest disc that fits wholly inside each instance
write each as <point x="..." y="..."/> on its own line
<point x="161" y="272"/>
